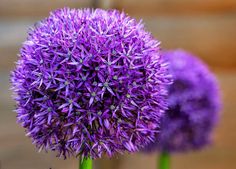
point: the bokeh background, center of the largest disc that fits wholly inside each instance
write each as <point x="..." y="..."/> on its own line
<point x="204" y="27"/>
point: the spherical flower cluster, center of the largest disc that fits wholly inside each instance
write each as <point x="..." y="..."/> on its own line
<point x="193" y="105"/>
<point x="90" y="82"/>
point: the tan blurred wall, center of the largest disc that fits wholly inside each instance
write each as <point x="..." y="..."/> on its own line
<point x="205" y="27"/>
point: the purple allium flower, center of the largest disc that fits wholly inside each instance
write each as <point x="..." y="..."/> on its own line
<point x="194" y="104"/>
<point x="90" y="82"/>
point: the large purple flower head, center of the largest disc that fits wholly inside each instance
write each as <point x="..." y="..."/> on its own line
<point x="90" y="82"/>
<point x="193" y="105"/>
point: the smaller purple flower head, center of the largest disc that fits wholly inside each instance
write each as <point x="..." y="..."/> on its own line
<point x="194" y="105"/>
<point x="90" y="82"/>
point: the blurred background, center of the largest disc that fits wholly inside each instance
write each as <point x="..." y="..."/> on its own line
<point x="206" y="28"/>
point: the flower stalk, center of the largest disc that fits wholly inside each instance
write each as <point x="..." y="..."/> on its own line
<point x="86" y="163"/>
<point x="164" y="161"/>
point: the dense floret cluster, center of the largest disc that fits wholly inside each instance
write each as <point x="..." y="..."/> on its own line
<point x="194" y="105"/>
<point x="90" y="82"/>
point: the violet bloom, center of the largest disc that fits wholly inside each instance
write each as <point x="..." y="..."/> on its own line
<point x="90" y="82"/>
<point x="193" y="105"/>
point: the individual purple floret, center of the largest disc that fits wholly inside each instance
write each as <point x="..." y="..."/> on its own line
<point x="194" y="104"/>
<point x="90" y="82"/>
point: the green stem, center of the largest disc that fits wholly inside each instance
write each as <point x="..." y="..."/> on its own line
<point x="164" y="161"/>
<point x="86" y="163"/>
